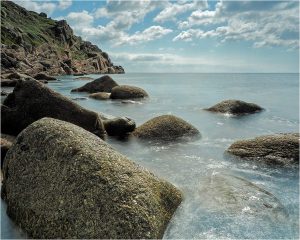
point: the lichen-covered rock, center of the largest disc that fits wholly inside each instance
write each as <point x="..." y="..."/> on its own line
<point x="127" y="92"/>
<point x="100" y="95"/>
<point x="235" y="107"/>
<point x="166" y="128"/>
<point x="60" y="181"/>
<point x="102" y="84"/>
<point x="32" y="100"/>
<point x="281" y="148"/>
<point x="119" y="126"/>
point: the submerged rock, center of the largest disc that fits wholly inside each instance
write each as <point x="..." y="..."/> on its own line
<point x="84" y="78"/>
<point x="32" y="100"/>
<point x="119" y="126"/>
<point x="166" y="128"/>
<point x="100" y="95"/>
<point x="103" y="84"/>
<point x="281" y="148"/>
<point x="235" y="107"/>
<point x="237" y="196"/>
<point x="127" y="92"/>
<point x="61" y="181"/>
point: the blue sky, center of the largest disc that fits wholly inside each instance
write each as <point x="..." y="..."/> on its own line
<point x="186" y="36"/>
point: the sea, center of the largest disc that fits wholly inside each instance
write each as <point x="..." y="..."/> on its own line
<point x="224" y="197"/>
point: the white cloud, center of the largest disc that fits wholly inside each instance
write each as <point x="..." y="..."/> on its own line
<point x="64" y="4"/>
<point x="79" y="20"/>
<point x="44" y="6"/>
<point x="273" y="24"/>
<point x="149" y="34"/>
<point x="172" y="10"/>
<point x="38" y="7"/>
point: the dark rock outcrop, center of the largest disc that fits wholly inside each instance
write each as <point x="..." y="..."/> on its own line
<point x="76" y="186"/>
<point x="235" y="107"/>
<point x="42" y="76"/>
<point x="5" y="142"/>
<point x="274" y="149"/>
<point x="102" y="84"/>
<point x="32" y="100"/>
<point x="127" y="92"/>
<point x="119" y="126"/>
<point x="166" y="128"/>
<point x="100" y="95"/>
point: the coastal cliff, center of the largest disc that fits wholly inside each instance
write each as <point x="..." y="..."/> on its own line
<point x="32" y="43"/>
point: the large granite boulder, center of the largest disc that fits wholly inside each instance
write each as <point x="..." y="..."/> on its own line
<point x="103" y="84"/>
<point x="281" y="148"/>
<point x="127" y="92"/>
<point x="166" y="128"/>
<point x="119" y="126"/>
<point x="235" y="107"/>
<point x="32" y="100"/>
<point x="60" y="181"/>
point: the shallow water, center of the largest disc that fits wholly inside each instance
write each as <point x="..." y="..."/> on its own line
<point x="220" y="200"/>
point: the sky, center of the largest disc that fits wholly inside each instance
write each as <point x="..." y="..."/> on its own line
<point x="186" y="36"/>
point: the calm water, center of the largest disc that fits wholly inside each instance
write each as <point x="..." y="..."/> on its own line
<point x="219" y="200"/>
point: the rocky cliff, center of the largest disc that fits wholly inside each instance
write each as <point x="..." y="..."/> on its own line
<point x="31" y="43"/>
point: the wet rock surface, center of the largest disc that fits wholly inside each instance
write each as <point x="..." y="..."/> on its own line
<point x="60" y="181"/>
<point x="100" y="95"/>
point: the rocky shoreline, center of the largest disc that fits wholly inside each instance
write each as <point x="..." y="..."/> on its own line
<point x="53" y="49"/>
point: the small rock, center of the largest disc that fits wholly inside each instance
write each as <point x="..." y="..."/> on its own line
<point x="119" y="126"/>
<point x="235" y="107"/>
<point x="100" y="95"/>
<point x="127" y="92"/>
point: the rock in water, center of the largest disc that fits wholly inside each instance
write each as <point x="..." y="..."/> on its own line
<point x="32" y="100"/>
<point x="281" y="148"/>
<point x="237" y="196"/>
<point x="166" y="128"/>
<point x="100" y="95"/>
<point x="127" y="92"/>
<point x="60" y="181"/>
<point x="103" y="84"/>
<point x="235" y="107"/>
<point x="119" y="126"/>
